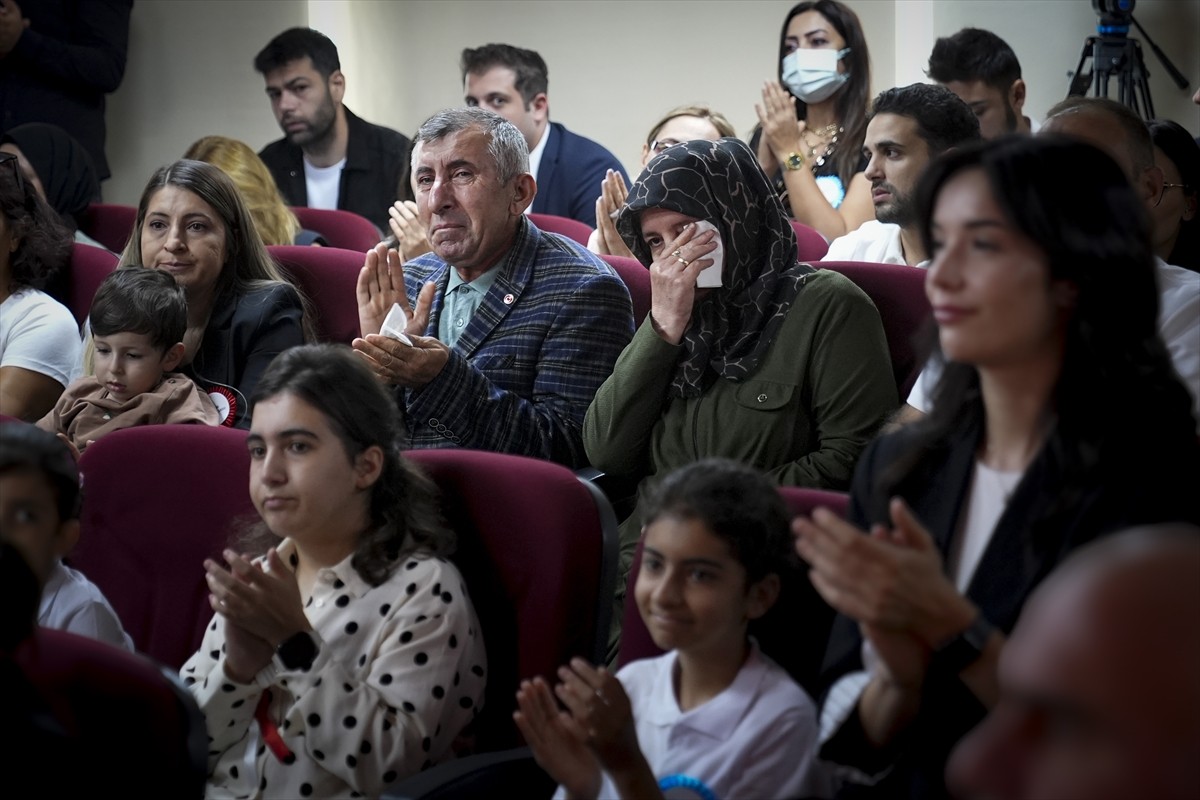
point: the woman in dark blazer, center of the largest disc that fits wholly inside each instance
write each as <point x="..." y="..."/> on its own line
<point x="1058" y="418"/>
<point x="242" y="312"/>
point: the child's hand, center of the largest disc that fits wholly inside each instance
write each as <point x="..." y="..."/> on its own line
<point x="70" y="445"/>
<point x="558" y="743"/>
<point x="600" y="707"/>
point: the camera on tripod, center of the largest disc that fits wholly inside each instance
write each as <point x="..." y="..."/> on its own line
<point x="1114" y="55"/>
<point x="1114" y="12"/>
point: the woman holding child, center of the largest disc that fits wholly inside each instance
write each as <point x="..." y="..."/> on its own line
<point x="771" y="363"/>
<point x="1056" y="421"/>
<point x="345" y="652"/>
<point x="242" y="312"/>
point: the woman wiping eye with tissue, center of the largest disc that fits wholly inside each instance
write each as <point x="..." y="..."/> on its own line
<point x="778" y="365"/>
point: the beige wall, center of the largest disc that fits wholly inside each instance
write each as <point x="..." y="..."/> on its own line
<point x="615" y="65"/>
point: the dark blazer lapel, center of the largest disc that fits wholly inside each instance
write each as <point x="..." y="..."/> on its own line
<point x="1019" y="554"/>
<point x="549" y="163"/>
<point x="946" y="486"/>
<point x="516" y="272"/>
<point x="441" y="276"/>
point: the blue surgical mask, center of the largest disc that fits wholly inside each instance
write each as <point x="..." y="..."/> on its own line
<point x="812" y="75"/>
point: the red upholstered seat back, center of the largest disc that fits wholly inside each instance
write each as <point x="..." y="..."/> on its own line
<point x="327" y="276"/>
<point x="810" y="245"/>
<point x="109" y="224"/>
<point x="637" y="280"/>
<point x="158" y="500"/>
<point x="898" y="291"/>
<point x="89" y="266"/>
<point x="570" y="228"/>
<point x="343" y="229"/>
<point x="130" y="729"/>
<point x="537" y="547"/>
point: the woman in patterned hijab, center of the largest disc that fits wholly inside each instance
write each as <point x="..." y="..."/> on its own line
<point x="721" y="182"/>
<point x="781" y="366"/>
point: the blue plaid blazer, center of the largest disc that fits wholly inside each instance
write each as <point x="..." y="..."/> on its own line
<point x="525" y="369"/>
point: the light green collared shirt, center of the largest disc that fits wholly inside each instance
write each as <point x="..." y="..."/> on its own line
<point x="461" y="302"/>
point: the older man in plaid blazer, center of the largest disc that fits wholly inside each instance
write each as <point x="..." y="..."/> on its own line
<point x="514" y="329"/>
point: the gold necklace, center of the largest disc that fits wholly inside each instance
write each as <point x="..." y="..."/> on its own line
<point x="832" y="128"/>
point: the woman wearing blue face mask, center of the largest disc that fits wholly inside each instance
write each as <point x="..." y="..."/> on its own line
<point x="813" y="120"/>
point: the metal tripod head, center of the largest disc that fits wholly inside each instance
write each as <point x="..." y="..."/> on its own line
<point x="1113" y="53"/>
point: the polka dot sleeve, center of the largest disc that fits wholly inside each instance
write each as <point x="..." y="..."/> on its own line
<point x="399" y="673"/>
<point x="228" y="707"/>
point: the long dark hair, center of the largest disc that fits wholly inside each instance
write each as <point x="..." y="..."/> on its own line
<point x="403" y="507"/>
<point x="855" y="96"/>
<point x="1077" y="206"/>
<point x="248" y="265"/>
<point x="44" y="247"/>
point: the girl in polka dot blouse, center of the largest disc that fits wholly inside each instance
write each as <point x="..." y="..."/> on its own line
<point x="349" y="655"/>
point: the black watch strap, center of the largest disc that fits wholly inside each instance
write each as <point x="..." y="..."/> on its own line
<point x="963" y="650"/>
<point x="298" y="651"/>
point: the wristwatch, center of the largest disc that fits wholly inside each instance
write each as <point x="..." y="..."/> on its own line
<point x="793" y="162"/>
<point x="298" y="651"/>
<point x="963" y="650"/>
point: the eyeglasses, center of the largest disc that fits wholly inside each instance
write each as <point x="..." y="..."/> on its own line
<point x="1163" y="192"/>
<point x="9" y="158"/>
<point x="659" y="145"/>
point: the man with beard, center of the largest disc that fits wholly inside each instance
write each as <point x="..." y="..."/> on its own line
<point x="909" y="126"/>
<point x="328" y="158"/>
<point x="981" y="68"/>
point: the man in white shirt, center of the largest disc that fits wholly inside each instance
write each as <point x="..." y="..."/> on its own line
<point x="569" y="168"/>
<point x="328" y="158"/>
<point x="981" y="68"/>
<point x="909" y="126"/>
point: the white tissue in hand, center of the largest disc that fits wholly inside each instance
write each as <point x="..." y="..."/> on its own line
<point x="710" y="277"/>
<point x="394" y="325"/>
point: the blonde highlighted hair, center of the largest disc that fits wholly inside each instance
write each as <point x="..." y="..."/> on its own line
<point x="275" y="222"/>
<point x="715" y="118"/>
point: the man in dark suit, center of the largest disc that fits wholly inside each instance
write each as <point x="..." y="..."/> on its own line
<point x="328" y="158"/>
<point x="510" y="330"/>
<point x="569" y="168"/>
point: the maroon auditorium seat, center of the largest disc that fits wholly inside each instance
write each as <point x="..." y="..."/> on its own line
<point x="327" y="276"/>
<point x="343" y="229"/>
<point x="637" y="280"/>
<point x="109" y="224"/>
<point x="538" y="549"/>
<point x="109" y="720"/>
<point x="158" y="500"/>
<point x="898" y="291"/>
<point x="570" y="228"/>
<point x="810" y="245"/>
<point x="89" y="266"/>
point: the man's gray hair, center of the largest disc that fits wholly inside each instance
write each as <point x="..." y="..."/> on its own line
<point x="506" y="143"/>
<point x="1137" y="142"/>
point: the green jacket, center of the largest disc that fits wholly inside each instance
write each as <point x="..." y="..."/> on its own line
<point x="803" y="417"/>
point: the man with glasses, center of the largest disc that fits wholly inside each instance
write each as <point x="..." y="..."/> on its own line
<point x="1119" y="132"/>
